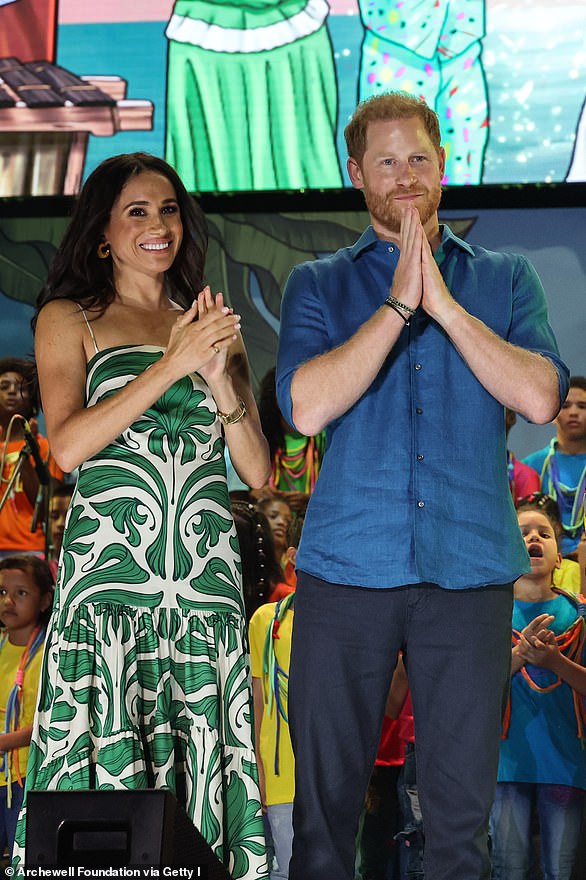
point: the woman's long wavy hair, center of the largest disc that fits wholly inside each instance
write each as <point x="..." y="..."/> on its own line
<point x="270" y="414"/>
<point x="79" y="275"/>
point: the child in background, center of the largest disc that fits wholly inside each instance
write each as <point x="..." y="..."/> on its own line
<point x="26" y="595"/>
<point x="562" y="465"/>
<point x="567" y="576"/>
<point x="289" y="581"/>
<point x="270" y="631"/>
<point x="279" y="515"/>
<point x="58" y="507"/>
<point x="523" y="480"/>
<point x="411" y="836"/>
<point x="377" y="851"/>
<point x="542" y="759"/>
<point x="19" y="406"/>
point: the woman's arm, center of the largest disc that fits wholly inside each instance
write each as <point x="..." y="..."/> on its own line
<point x="227" y="376"/>
<point x="77" y="432"/>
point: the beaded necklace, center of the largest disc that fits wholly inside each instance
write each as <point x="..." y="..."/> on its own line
<point x="275" y="678"/>
<point x="571" y="644"/>
<point x="296" y="468"/>
<point x="570" y="500"/>
<point x="14" y="703"/>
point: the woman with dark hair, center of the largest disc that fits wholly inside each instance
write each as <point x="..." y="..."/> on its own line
<point x="83" y="271"/>
<point x="143" y="376"/>
<point x="260" y="570"/>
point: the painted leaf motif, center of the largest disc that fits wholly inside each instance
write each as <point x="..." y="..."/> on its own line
<point x="245" y="832"/>
<point x="210" y="527"/>
<point x="125" y="471"/>
<point x="215" y="582"/>
<point x="79" y="527"/>
<point x="125" y="517"/>
<point x="206" y="708"/>
<point x="119" y="756"/>
<point x="176" y="418"/>
<point x="135" y="782"/>
<point x="212" y="784"/>
<point x="114" y="565"/>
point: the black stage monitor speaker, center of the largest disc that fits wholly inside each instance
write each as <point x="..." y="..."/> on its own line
<point x="109" y="829"/>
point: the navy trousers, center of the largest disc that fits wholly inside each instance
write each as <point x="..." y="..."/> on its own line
<point x="457" y="646"/>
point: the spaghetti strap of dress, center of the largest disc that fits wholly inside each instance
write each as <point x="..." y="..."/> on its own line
<point x="89" y="326"/>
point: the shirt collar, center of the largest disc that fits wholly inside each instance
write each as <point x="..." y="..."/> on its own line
<point x="369" y="239"/>
<point x="449" y="240"/>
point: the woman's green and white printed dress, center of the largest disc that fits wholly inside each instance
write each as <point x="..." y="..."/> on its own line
<point x="145" y="679"/>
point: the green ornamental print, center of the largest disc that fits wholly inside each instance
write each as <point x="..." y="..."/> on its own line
<point x="146" y="678"/>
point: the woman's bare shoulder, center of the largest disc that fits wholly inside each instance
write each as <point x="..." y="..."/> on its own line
<point x="63" y="314"/>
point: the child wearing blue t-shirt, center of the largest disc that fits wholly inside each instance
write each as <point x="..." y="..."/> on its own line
<point x="542" y="759"/>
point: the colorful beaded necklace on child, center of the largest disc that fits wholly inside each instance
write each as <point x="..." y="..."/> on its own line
<point x="570" y="500"/>
<point x="14" y="703"/>
<point x="296" y="468"/>
<point x="571" y="644"/>
<point x="275" y="679"/>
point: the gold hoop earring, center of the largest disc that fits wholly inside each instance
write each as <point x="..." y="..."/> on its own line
<point x="103" y="250"/>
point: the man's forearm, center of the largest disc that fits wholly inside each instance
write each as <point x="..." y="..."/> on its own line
<point x="328" y="385"/>
<point x="522" y="380"/>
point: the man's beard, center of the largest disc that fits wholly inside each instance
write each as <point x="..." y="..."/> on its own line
<point x="384" y="208"/>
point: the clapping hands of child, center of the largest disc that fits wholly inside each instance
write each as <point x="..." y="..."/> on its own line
<point x="537" y="644"/>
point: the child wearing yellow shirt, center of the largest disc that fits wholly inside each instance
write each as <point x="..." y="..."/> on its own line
<point x="270" y="631"/>
<point x="26" y="595"/>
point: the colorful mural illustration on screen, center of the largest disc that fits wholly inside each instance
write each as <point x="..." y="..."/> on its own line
<point x="258" y="75"/>
<point x="433" y="49"/>
<point x="254" y="95"/>
<point x="48" y="112"/>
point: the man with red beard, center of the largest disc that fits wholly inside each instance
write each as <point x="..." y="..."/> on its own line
<point x="407" y="347"/>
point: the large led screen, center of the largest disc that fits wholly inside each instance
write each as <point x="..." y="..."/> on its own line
<point x="254" y="95"/>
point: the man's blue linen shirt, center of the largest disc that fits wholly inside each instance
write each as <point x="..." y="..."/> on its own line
<point x="413" y="487"/>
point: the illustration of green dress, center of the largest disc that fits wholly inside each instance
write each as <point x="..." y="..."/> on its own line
<point x="252" y="99"/>
<point x="146" y="680"/>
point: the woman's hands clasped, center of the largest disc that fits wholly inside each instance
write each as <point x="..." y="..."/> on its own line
<point x="200" y="339"/>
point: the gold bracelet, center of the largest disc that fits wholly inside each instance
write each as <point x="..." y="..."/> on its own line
<point x="235" y="416"/>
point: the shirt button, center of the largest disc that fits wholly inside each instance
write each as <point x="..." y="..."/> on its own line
<point x="421" y="504"/>
<point x="391" y="249"/>
<point x="420" y="457"/>
<point x="418" y="410"/>
<point x="418" y="367"/>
